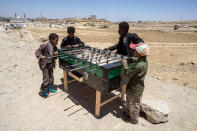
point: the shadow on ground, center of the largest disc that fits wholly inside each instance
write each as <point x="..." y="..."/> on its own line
<point x="83" y="95"/>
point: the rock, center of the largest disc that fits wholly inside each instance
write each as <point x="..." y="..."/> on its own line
<point x="42" y="39"/>
<point x="182" y="64"/>
<point x="192" y="63"/>
<point x="104" y="26"/>
<point x="176" y="27"/>
<point x="185" y="84"/>
<point x="174" y="79"/>
<point x="15" y="65"/>
<point x="52" y="25"/>
<point x="156" y="110"/>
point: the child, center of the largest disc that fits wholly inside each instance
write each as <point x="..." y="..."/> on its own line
<point x="71" y="41"/>
<point x="124" y="40"/>
<point x="46" y="64"/>
<point x="135" y="87"/>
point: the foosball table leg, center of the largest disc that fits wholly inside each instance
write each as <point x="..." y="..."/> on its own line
<point x="98" y="104"/>
<point x="65" y="80"/>
<point x="123" y="92"/>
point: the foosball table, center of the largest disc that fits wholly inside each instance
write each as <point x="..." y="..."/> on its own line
<point x="99" y="69"/>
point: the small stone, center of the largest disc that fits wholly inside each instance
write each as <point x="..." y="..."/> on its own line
<point x="15" y="65"/>
<point x="192" y="63"/>
<point x="185" y="84"/>
<point x="182" y="64"/>
<point x="174" y="79"/>
<point x="42" y="39"/>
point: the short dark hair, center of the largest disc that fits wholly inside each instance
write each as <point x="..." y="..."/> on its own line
<point x="124" y="25"/>
<point x="52" y="36"/>
<point x="71" y="29"/>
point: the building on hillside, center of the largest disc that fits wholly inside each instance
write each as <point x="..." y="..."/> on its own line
<point x="4" y="19"/>
<point x="93" y="17"/>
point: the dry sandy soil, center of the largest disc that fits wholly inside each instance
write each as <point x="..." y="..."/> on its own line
<point x="171" y="77"/>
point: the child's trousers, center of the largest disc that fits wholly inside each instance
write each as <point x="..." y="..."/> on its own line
<point x="133" y="105"/>
<point x="47" y="73"/>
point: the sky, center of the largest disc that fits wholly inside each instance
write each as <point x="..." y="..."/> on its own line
<point x="113" y="10"/>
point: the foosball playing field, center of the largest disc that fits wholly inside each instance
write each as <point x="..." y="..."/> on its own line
<point x="99" y="69"/>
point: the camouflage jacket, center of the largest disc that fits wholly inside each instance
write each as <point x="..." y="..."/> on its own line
<point x="136" y="71"/>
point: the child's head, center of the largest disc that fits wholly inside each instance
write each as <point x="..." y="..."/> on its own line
<point x="71" y="31"/>
<point x="123" y="28"/>
<point x="53" y="38"/>
<point x="140" y="49"/>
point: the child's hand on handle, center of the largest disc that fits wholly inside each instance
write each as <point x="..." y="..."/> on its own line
<point x="69" y="46"/>
<point x="43" y="57"/>
<point x="55" y="53"/>
<point x="75" y="45"/>
<point x="124" y="61"/>
<point x="106" y="49"/>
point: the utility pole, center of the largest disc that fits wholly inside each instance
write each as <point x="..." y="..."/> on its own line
<point x="41" y="16"/>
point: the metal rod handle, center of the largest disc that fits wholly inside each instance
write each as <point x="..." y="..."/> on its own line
<point x="79" y="68"/>
<point x="55" y="56"/>
<point x="93" y="70"/>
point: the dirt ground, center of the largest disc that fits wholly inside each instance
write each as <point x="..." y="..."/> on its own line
<point x="171" y="77"/>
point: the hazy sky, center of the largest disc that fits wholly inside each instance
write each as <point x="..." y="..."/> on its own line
<point x="114" y="10"/>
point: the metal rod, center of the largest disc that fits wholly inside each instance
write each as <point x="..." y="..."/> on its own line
<point x="87" y="55"/>
<point x="98" y="56"/>
<point x="79" y="68"/>
<point x="55" y="56"/>
<point x="76" y="64"/>
<point x="75" y="50"/>
<point x="74" y="53"/>
<point x="93" y="70"/>
<point x="109" y="60"/>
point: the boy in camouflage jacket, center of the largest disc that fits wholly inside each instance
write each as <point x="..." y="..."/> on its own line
<point x="135" y="87"/>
